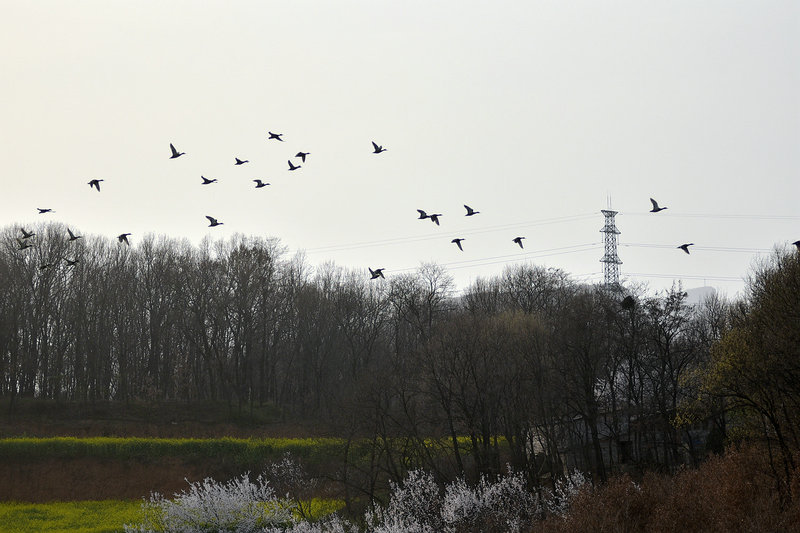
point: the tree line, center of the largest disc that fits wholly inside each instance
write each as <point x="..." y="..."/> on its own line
<point x="529" y="367"/>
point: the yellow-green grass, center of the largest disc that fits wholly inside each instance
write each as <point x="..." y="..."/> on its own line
<point x="100" y="516"/>
<point x="240" y="451"/>
<point x="85" y="517"/>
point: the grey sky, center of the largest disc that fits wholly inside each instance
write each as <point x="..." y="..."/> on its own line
<point x="528" y="111"/>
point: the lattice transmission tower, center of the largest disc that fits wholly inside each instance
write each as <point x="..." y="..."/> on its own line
<point x="610" y="260"/>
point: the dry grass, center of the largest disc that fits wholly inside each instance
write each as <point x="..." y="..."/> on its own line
<point x="726" y="494"/>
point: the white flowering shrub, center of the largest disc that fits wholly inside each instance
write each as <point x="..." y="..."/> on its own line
<point x="502" y="505"/>
<point x="417" y="505"/>
<point x="414" y="507"/>
<point x="558" y="501"/>
<point x="239" y="505"/>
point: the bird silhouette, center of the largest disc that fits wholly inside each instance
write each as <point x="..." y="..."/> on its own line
<point x="96" y="184"/>
<point x="71" y="262"/>
<point x="685" y="247"/>
<point x="43" y="211"/>
<point x="124" y="238"/>
<point x="175" y="153"/>
<point x="796" y="243"/>
<point x="26" y="234"/>
<point x="275" y="136"/>
<point x="302" y="155"/>
<point x="206" y="181"/>
<point x="293" y="167"/>
<point x="260" y="184"/>
<point x="377" y="273"/>
<point x="422" y="214"/>
<point x="656" y="209"/>
<point x="458" y="243"/>
<point x="518" y="240"/>
<point x="470" y="211"/>
<point x="72" y="236"/>
<point x="240" y="162"/>
<point x="213" y="221"/>
<point x="435" y="218"/>
<point x="377" y="149"/>
<point x="23" y="244"/>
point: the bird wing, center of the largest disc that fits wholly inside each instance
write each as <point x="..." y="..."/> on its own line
<point x="655" y="204"/>
<point x="174" y="151"/>
<point x="211" y="219"/>
<point x="469" y="209"/>
<point x="71" y="235"/>
<point x="422" y="214"/>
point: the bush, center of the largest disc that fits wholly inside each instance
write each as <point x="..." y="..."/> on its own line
<point x="239" y="505"/>
<point x="734" y="492"/>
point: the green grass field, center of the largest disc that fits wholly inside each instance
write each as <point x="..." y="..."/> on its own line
<point x="95" y="516"/>
<point x="85" y="517"/>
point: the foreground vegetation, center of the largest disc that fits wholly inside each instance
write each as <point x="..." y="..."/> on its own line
<point x="538" y="374"/>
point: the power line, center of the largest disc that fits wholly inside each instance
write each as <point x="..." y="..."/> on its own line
<point x="484" y="261"/>
<point x="684" y="276"/>
<point x="417" y="238"/>
<point x="709" y="248"/>
<point x="714" y="215"/>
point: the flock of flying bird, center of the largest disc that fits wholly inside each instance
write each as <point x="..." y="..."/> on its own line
<point x="24" y="243"/>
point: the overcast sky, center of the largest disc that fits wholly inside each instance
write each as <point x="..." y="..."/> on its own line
<point x="534" y="113"/>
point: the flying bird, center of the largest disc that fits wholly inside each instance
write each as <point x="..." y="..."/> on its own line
<point x="240" y="162"/>
<point x="175" y="153"/>
<point x="302" y="155"/>
<point x="72" y="236"/>
<point x="124" y="238"/>
<point x="458" y="243"/>
<point x="206" y="181"/>
<point x="43" y="211"/>
<point x="275" y="136"/>
<point x="23" y="244"/>
<point x="422" y="214"/>
<point x="96" y="184"/>
<point x="470" y="211"/>
<point x="435" y="218"/>
<point x="518" y="240"/>
<point x="293" y="167"/>
<point x="71" y="262"/>
<point x="685" y="247"/>
<point x="377" y="149"/>
<point x="26" y="234"/>
<point x="377" y="273"/>
<point x="656" y="208"/>
<point x="213" y="221"/>
<point x="260" y="184"/>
